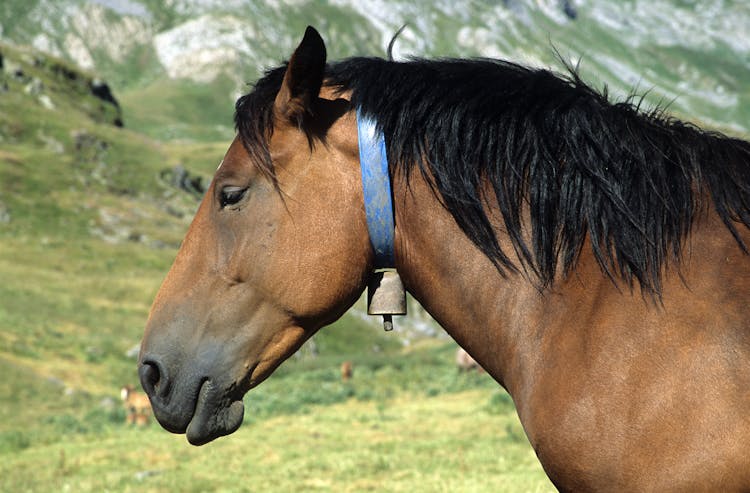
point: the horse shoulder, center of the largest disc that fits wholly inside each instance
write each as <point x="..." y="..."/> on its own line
<point x="629" y="391"/>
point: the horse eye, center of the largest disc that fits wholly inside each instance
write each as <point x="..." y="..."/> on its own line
<point x="231" y="195"/>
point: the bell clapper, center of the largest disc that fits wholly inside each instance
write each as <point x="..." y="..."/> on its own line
<point x="386" y="296"/>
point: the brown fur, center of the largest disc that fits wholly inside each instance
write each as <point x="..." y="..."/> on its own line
<point x="137" y="405"/>
<point x="616" y="392"/>
<point x="347" y="371"/>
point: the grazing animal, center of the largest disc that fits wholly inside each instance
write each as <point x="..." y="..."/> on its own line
<point x="137" y="406"/>
<point x="465" y="363"/>
<point x="346" y="371"/>
<point x="590" y="256"/>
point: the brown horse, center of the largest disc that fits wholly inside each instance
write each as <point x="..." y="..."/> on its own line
<point x="590" y="256"/>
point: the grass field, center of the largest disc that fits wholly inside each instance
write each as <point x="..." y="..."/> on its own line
<point x="463" y="442"/>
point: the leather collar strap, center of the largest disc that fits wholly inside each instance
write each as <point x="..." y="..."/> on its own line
<point x="376" y="185"/>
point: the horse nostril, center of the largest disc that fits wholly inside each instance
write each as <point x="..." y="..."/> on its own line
<point x="153" y="379"/>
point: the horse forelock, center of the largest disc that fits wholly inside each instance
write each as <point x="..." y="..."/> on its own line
<point x="560" y="158"/>
<point x="254" y="119"/>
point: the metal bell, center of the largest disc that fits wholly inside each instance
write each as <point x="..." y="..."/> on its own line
<point x="386" y="296"/>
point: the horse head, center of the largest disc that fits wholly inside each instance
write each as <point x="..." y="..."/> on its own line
<point x="278" y="248"/>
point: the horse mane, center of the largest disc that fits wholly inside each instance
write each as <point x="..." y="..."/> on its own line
<point x="562" y="162"/>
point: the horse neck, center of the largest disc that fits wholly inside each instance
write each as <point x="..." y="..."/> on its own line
<point x="514" y="331"/>
<point x="459" y="286"/>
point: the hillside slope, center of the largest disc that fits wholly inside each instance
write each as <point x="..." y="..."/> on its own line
<point x="86" y="225"/>
<point x="187" y="60"/>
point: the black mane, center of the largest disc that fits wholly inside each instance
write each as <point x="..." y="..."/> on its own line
<point x="563" y="162"/>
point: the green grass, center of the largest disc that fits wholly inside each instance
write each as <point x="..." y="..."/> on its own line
<point x="179" y="109"/>
<point x="460" y="442"/>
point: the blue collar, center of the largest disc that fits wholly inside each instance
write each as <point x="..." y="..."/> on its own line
<point x="376" y="185"/>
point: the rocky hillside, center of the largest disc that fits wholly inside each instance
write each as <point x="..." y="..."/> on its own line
<point x="186" y="60"/>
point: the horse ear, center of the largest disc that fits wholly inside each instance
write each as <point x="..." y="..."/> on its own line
<point x="303" y="78"/>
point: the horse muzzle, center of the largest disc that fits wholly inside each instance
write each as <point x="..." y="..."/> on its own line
<point x="191" y="401"/>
